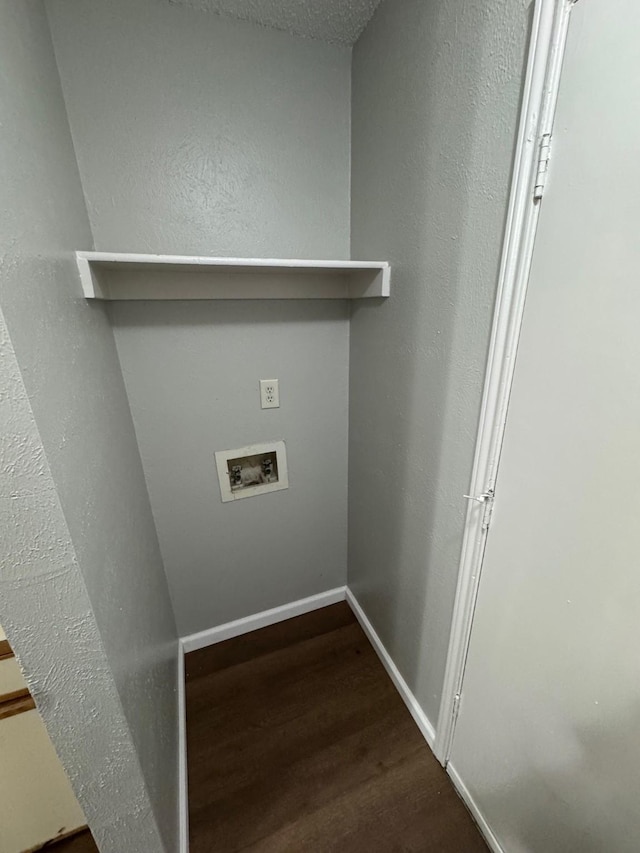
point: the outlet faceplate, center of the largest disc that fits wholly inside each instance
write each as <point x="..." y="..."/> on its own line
<point x="269" y="394"/>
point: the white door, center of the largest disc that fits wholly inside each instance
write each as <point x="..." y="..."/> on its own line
<point x="548" y="735"/>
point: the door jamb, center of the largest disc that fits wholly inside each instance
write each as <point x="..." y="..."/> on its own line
<point x="542" y="80"/>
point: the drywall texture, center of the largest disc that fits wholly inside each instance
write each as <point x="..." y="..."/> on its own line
<point x="199" y="134"/>
<point x="229" y="560"/>
<point x="49" y="620"/>
<point x="67" y="357"/>
<point x="549" y="721"/>
<point x="339" y="21"/>
<point x="435" y="102"/>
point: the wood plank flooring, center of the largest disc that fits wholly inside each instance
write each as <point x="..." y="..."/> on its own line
<point x="82" y="842"/>
<point x="298" y="742"/>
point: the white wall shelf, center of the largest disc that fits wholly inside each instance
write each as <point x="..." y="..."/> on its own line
<point x="119" y="275"/>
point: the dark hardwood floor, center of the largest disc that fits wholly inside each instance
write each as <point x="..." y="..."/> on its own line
<point x="81" y="843"/>
<point x="299" y="743"/>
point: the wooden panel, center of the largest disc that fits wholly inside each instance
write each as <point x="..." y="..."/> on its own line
<point x="19" y="704"/>
<point x="11" y="678"/>
<point x="5" y="650"/>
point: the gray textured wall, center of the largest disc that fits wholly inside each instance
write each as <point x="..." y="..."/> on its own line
<point x="229" y="560"/>
<point x="436" y="90"/>
<point x="89" y="462"/>
<point x="196" y="134"/>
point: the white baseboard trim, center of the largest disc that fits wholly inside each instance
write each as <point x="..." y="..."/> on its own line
<point x="183" y="794"/>
<point x="483" y="826"/>
<point x="193" y="642"/>
<point x="421" y="719"/>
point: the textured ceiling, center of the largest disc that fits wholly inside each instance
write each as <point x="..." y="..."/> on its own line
<point x="339" y="21"/>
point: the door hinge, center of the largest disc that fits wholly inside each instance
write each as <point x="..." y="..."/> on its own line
<point x="543" y="165"/>
<point x="486" y="499"/>
<point x="488" y="509"/>
<point x="456" y="708"/>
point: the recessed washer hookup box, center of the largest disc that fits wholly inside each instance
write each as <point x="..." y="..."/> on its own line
<point x="253" y="470"/>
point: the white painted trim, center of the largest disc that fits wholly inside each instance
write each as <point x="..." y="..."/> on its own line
<point x="483" y="826"/>
<point x="192" y="642"/>
<point x="183" y="794"/>
<point x="546" y="51"/>
<point x="139" y="258"/>
<point x="128" y="275"/>
<point x="421" y="719"/>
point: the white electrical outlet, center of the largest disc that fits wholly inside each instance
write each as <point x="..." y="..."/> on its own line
<point x="269" y="394"/>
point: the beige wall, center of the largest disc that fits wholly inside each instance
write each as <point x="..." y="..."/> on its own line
<point x="36" y="800"/>
<point x="37" y="803"/>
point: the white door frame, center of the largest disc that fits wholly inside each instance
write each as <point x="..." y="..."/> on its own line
<point x="546" y="51"/>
